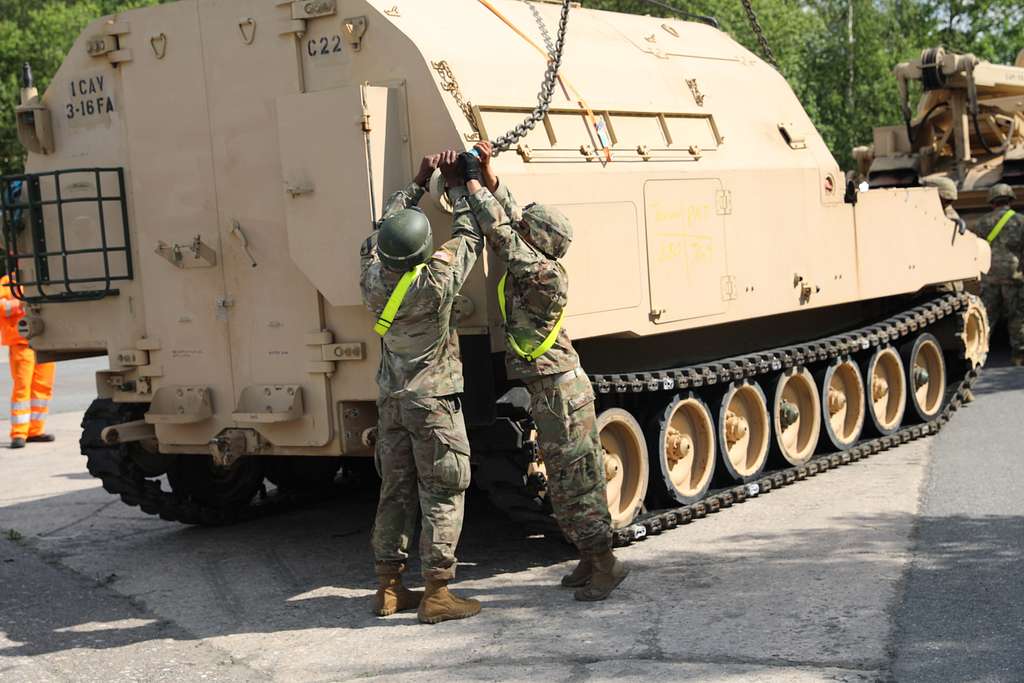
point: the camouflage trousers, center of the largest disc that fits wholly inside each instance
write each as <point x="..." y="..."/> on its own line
<point x="574" y="460"/>
<point x="1006" y="300"/>
<point x="422" y="457"/>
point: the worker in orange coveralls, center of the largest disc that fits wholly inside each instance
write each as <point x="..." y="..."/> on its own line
<point x="33" y="382"/>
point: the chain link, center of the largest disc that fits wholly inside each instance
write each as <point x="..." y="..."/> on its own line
<point x="451" y="86"/>
<point x="549" y="45"/>
<point x="547" y="91"/>
<point x="762" y="40"/>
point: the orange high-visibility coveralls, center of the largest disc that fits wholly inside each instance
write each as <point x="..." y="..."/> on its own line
<point x="33" y="382"/>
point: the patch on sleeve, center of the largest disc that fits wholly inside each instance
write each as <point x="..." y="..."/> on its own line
<point x="443" y="255"/>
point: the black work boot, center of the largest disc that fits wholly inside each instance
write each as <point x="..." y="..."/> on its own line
<point x="609" y="572"/>
<point x="17" y="442"/>
<point x="42" y="438"/>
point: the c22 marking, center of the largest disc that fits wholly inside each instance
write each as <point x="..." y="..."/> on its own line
<point x="326" y="45"/>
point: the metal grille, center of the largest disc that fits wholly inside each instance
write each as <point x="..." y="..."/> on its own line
<point x="52" y="261"/>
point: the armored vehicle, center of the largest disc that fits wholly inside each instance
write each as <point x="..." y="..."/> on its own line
<point x="968" y="126"/>
<point x="202" y="173"/>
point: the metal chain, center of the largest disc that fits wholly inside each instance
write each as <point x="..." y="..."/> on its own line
<point x="506" y="141"/>
<point x="755" y="25"/>
<point x="451" y="86"/>
<point x="545" y="34"/>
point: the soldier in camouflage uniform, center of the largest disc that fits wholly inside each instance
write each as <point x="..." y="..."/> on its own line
<point x="422" y="451"/>
<point x="1002" y="288"/>
<point x="539" y="352"/>
<point x="948" y="194"/>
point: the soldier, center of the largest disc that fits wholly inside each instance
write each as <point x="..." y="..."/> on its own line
<point x="947" y="195"/>
<point x="1002" y="289"/>
<point x="422" y="451"/>
<point x="532" y="297"/>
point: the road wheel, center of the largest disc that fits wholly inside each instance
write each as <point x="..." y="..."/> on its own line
<point x="796" y="416"/>
<point x="926" y="376"/>
<point x="744" y="431"/>
<point x="842" y="404"/>
<point x="625" y="462"/>
<point x="682" y="450"/>
<point x="886" y="391"/>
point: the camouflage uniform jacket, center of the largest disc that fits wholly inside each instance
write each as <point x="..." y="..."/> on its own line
<point x="420" y="356"/>
<point x="536" y="292"/>
<point x="1007" y="248"/>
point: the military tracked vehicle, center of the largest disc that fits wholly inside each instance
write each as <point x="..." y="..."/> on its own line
<point x="201" y="175"/>
<point x="968" y="126"/>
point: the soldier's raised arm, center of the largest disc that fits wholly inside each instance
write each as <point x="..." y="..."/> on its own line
<point x="497" y="188"/>
<point x="461" y="252"/>
<point x="410" y="195"/>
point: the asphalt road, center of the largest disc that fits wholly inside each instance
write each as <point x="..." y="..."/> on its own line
<point x="906" y="566"/>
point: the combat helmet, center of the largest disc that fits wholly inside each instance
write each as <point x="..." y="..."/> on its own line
<point x="945" y="186"/>
<point x="1001" y="191"/>
<point x="547" y="229"/>
<point x="405" y="240"/>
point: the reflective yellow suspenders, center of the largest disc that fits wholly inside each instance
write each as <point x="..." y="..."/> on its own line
<point x="386" y="318"/>
<point x="1010" y="213"/>
<point x="545" y="346"/>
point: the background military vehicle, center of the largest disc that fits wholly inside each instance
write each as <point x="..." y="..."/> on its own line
<point x="968" y="126"/>
<point x="201" y="175"/>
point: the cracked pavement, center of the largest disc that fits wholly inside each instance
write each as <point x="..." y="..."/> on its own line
<point x="905" y="566"/>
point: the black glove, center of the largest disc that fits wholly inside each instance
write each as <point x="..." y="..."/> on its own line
<point x="469" y="167"/>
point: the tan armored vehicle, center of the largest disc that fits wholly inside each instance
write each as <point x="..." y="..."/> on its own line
<point x="968" y="126"/>
<point x="201" y="175"/>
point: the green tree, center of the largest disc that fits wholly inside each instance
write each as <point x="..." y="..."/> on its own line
<point x="40" y="33"/>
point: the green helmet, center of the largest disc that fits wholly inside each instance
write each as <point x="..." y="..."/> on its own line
<point x="1001" y="191"/>
<point x="405" y="240"/>
<point x="945" y="186"/>
<point x="547" y="229"/>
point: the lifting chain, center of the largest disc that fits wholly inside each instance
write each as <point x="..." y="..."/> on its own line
<point x="755" y="25"/>
<point x="451" y="86"/>
<point x="547" y="90"/>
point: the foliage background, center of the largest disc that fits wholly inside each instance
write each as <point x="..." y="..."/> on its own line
<point x="837" y="54"/>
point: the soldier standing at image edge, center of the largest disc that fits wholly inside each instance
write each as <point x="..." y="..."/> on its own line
<point x="1002" y="288"/>
<point x="422" y="450"/>
<point x="532" y="296"/>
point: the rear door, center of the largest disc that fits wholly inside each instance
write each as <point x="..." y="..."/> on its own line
<point x="274" y="318"/>
<point x="172" y="186"/>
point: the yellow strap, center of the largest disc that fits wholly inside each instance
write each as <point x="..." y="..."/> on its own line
<point x="545" y="346"/>
<point x="386" y="318"/>
<point x="1010" y="213"/>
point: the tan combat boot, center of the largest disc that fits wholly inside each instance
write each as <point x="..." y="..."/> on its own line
<point x="392" y="596"/>
<point x="609" y="572"/>
<point x="580" y="576"/>
<point x="439" y="604"/>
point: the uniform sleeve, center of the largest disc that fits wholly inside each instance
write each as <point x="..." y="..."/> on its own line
<point x="504" y="196"/>
<point x="457" y="256"/>
<point x="519" y="257"/>
<point x="403" y="199"/>
<point x="12" y="307"/>
<point x="369" y="266"/>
